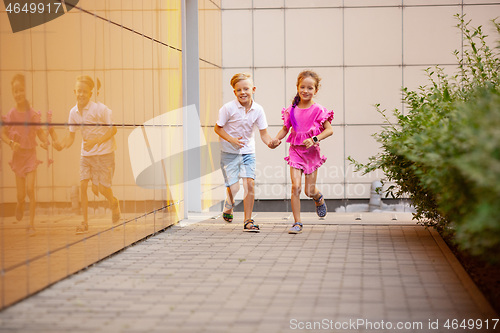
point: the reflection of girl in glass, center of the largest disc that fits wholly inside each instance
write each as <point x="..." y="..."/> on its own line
<point x="20" y="134"/>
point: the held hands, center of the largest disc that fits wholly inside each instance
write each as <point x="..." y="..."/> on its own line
<point x="57" y="146"/>
<point x="274" y="143"/>
<point x="45" y="145"/>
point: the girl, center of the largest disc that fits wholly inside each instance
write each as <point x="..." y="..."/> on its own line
<point x="310" y="123"/>
<point x="21" y="138"/>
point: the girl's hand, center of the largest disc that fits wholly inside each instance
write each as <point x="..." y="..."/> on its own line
<point x="15" y="146"/>
<point x="308" y="143"/>
<point x="237" y="143"/>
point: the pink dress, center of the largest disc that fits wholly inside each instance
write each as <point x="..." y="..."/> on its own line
<point x="24" y="160"/>
<point x="309" y="122"/>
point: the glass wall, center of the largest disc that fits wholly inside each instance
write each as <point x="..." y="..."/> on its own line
<point x="91" y="165"/>
<point x="212" y="183"/>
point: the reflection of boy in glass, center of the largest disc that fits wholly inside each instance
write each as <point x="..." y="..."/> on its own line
<point x="97" y="161"/>
<point x="22" y="140"/>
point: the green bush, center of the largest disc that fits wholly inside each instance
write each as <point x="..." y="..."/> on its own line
<point x="445" y="152"/>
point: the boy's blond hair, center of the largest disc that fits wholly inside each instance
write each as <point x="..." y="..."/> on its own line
<point x="87" y="80"/>
<point x="240" y="77"/>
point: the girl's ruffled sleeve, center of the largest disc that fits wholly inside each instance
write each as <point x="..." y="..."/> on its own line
<point x="325" y="115"/>
<point x="36" y="117"/>
<point x="285" y="115"/>
<point x="6" y="119"/>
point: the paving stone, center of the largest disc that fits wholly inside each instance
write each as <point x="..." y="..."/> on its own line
<point x="212" y="277"/>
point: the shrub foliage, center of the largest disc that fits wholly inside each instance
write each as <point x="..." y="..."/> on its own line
<point x="444" y="153"/>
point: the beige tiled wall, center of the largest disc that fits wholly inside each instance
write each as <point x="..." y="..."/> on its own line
<point x="365" y="51"/>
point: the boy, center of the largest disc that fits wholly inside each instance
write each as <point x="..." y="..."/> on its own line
<point x="235" y="127"/>
<point x="97" y="161"/>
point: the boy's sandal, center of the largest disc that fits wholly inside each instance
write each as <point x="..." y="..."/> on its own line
<point x="296" y="228"/>
<point x="250" y="226"/>
<point x="83" y="228"/>
<point x="320" y="209"/>
<point x="228" y="217"/>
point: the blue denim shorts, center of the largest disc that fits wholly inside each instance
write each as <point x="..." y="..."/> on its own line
<point x="236" y="166"/>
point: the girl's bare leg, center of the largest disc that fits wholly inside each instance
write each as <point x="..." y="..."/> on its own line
<point x="30" y="182"/>
<point x="310" y="187"/>
<point x="21" y="194"/>
<point x="312" y="191"/>
<point x="296" y="177"/>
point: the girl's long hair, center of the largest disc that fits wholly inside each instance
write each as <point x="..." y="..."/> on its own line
<point x="296" y="101"/>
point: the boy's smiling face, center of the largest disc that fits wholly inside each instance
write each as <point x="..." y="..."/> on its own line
<point x="244" y="90"/>
<point x="82" y="93"/>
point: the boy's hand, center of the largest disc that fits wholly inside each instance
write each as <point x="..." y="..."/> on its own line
<point x="88" y="145"/>
<point x="57" y="146"/>
<point x="237" y="143"/>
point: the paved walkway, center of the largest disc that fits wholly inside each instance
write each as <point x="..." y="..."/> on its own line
<point x="340" y="275"/>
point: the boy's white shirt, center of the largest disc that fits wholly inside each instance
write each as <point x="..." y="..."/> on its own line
<point x="238" y="123"/>
<point x="93" y="114"/>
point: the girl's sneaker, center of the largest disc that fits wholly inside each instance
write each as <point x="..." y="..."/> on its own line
<point x="296" y="228"/>
<point x="320" y="208"/>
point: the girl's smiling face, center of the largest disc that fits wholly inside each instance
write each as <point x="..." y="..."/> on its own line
<point x="307" y="89"/>
<point x="19" y="92"/>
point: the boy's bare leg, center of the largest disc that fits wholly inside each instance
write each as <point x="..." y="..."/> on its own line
<point x="85" y="200"/>
<point x="248" y="201"/>
<point x="84" y="227"/>
<point x="95" y="189"/>
<point x="249" y="197"/>
<point x="115" y="206"/>
<point x="230" y="194"/>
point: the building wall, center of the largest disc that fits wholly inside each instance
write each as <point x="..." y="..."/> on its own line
<point x="210" y="100"/>
<point x="134" y="48"/>
<point x="364" y="50"/>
